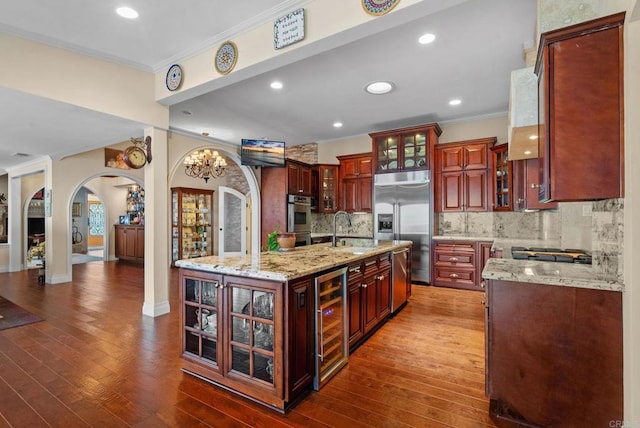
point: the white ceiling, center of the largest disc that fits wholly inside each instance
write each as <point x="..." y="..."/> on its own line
<point x="478" y="43"/>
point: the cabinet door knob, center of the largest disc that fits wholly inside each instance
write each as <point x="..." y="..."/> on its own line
<point x="364" y="285"/>
<point x="453" y="275"/>
<point x="534" y="185"/>
<point x="453" y="259"/>
<point x="381" y="277"/>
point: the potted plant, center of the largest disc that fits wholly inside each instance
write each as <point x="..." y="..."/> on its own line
<point x="277" y="240"/>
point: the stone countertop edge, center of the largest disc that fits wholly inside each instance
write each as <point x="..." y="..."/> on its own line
<point x="549" y="273"/>
<point x="286" y="265"/>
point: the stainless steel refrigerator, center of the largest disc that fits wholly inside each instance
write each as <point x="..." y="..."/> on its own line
<point x="403" y="211"/>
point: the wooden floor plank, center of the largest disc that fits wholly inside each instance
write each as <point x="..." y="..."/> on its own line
<point x="96" y="361"/>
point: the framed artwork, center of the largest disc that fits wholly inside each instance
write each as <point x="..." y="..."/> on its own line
<point x="114" y="158"/>
<point x="76" y="209"/>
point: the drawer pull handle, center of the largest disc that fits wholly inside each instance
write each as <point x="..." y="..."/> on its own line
<point x="453" y="259"/>
<point x="381" y="277"/>
<point x="453" y="275"/>
<point x="364" y="285"/>
<point x="357" y="269"/>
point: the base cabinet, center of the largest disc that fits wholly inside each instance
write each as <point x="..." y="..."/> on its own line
<point x="235" y="333"/>
<point x="459" y="264"/>
<point x="554" y="354"/>
<point x="129" y="243"/>
<point x="369" y="297"/>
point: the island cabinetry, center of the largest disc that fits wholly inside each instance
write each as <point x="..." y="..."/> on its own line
<point x="233" y="334"/>
<point x="191" y="222"/>
<point x="356" y="182"/>
<point x="462" y="175"/>
<point x="580" y="105"/>
<point x="369" y="299"/>
<point x="405" y="149"/>
<point x="129" y="243"/>
<point x="299" y="178"/>
<point x="554" y="354"/>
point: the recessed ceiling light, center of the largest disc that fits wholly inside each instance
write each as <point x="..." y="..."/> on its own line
<point x="127" y="12"/>
<point x="426" y="38"/>
<point x="337" y="124"/>
<point x="379" y="88"/>
<point x="276" y="85"/>
<point x="455" y="102"/>
<point x="533" y="137"/>
<point x="527" y="152"/>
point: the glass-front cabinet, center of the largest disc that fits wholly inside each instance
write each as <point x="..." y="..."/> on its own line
<point x="502" y="172"/>
<point x="201" y="315"/>
<point x="404" y="149"/>
<point x="191" y="222"/>
<point x="328" y="188"/>
<point x="232" y="330"/>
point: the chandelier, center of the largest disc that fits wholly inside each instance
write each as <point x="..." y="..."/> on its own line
<point x="205" y="164"/>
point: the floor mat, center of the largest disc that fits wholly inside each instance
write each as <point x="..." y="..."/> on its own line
<point x="12" y="315"/>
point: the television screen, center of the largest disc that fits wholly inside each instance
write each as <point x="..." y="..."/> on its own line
<point x="262" y="153"/>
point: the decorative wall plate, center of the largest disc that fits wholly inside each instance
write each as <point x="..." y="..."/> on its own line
<point x="226" y="57"/>
<point x="174" y="77"/>
<point x="378" y="7"/>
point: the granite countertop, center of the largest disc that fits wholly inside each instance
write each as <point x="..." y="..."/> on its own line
<point x="551" y="273"/>
<point x="295" y="263"/>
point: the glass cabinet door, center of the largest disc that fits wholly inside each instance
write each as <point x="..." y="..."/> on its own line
<point x="191" y="223"/>
<point x="502" y="179"/>
<point x="415" y="150"/>
<point x="252" y="333"/>
<point x="328" y="188"/>
<point x="201" y="319"/>
<point x="387" y="153"/>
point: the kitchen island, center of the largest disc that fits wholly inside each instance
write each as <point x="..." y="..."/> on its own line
<point x="256" y="324"/>
<point x="553" y="342"/>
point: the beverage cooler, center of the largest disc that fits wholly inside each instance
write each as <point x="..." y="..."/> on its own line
<point x="332" y="347"/>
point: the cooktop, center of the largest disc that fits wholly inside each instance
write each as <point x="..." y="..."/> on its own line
<point x="551" y="255"/>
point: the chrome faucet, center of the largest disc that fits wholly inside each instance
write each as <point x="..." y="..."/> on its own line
<point x="335" y="216"/>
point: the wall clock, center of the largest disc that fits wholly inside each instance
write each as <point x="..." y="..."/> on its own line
<point x="174" y="77"/>
<point x="226" y="57"/>
<point x="378" y="7"/>
<point x="134" y="157"/>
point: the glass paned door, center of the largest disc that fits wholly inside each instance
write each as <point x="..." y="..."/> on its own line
<point x="387" y="153"/>
<point x="232" y="238"/>
<point x="415" y="150"/>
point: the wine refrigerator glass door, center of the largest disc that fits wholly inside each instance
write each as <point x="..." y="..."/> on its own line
<point x="332" y="349"/>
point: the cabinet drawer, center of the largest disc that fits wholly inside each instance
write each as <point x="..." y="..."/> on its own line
<point x="454" y="246"/>
<point x="466" y="259"/>
<point x="455" y="277"/>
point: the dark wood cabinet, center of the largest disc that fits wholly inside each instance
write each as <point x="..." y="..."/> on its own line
<point x="326" y="184"/>
<point x="274" y="189"/>
<point x="501" y="179"/>
<point x="299" y="178"/>
<point x="129" y="242"/>
<point x="252" y="336"/>
<point x="462" y="175"/>
<point x="404" y="149"/>
<point x="526" y="179"/>
<point x="580" y="111"/>
<point x="369" y="298"/>
<point x="459" y="264"/>
<point x="554" y="354"/>
<point x="356" y="182"/>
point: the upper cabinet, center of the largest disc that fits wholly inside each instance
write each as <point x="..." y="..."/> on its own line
<point x="462" y="175"/>
<point x="326" y="185"/>
<point x="502" y="178"/>
<point x="404" y="149"/>
<point x="299" y="178"/>
<point x="356" y="182"/>
<point x="525" y="184"/>
<point x="580" y="109"/>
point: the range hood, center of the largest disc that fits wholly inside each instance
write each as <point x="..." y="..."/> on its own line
<point x="523" y="114"/>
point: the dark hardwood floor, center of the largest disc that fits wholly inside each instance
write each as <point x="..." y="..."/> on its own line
<point x="96" y="361"/>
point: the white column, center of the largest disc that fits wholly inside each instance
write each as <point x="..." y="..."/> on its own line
<point x="156" y="227"/>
